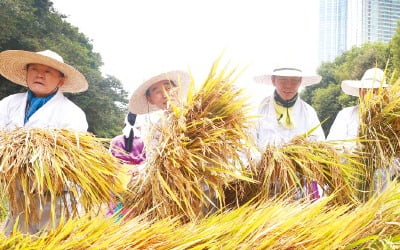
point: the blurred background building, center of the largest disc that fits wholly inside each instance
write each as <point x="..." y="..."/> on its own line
<point x="348" y="23"/>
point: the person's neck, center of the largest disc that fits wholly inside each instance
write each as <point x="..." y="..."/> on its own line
<point x="285" y="103"/>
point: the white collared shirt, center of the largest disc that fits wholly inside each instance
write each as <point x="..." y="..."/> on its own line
<point x="270" y="132"/>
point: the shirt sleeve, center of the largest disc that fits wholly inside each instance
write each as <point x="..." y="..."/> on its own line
<point x="338" y="129"/>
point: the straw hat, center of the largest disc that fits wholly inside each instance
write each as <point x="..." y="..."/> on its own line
<point x="372" y="78"/>
<point x="138" y="103"/>
<point x="307" y="80"/>
<point x="13" y="67"/>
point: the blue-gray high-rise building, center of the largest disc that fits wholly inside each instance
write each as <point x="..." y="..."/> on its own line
<point x="348" y="23"/>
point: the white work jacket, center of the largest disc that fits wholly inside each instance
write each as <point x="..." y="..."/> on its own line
<point x="59" y="112"/>
<point x="270" y="132"/>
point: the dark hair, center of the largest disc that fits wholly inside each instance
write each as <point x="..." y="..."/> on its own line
<point x="131" y="117"/>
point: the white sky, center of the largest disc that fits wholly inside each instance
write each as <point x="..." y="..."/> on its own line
<point x="138" y="39"/>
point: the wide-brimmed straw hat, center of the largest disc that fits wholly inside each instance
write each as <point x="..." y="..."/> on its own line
<point x="138" y="103"/>
<point x="13" y="66"/>
<point x="373" y="78"/>
<point x="307" y="80"/>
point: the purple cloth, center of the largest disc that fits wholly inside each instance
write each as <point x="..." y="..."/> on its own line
<point x="136" y="156"/>
<point x="314" y="190"/>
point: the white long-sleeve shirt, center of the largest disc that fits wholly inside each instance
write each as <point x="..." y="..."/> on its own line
<point x="269" y="131"/>
<point x="59" y="112"/>
<point x="346" y="124"/>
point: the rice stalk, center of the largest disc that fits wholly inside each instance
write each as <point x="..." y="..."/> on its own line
<point x="3" y="206"/>
<point x="379" y="129"/>
<point x="289" y="169"/>
<point x="96" y="232"/>
<point x="198" y="146"/>
<point x="280" y="224"/>
<point x="52" y="166"/>
<point x="273" y="224"/>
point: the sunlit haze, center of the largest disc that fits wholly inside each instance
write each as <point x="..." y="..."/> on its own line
<point x="137" y="39"/>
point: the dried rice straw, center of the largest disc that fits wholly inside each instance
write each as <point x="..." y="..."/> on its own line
<point x="45" y="164"/>
<point x="379" y="129"/>
<point x="285" y="170"/>
<point x="198" y="146"/>
<point x="275" y="224"/>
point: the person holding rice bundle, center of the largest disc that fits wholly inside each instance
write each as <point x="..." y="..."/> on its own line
<point x="284" y="115"/>
<point x="151" y="96"/>
<point x="347" y="122"/>
<point x="46" y="76"/>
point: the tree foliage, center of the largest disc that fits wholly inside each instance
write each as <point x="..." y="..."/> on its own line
<point x="34" y="25"/>
<point x="327" y="97"/>
<point x="395" y="51"/>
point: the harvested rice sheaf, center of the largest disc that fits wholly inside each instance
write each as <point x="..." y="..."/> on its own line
<point x="380" y="130"/>
<point x="42" y="164"/>
<point x="197" y="151"/>
<point x="288" y="170"/>
<point x="272" y="224"/>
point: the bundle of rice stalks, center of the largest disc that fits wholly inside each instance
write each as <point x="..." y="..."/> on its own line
<point x="282" y="225"/>
<point x="60" y="167"/>
<point x="197" y="152"/>
<point x="275" y="224"/>
<point x="3" y="206"/>
<point x="380" y="130"/>
<point x="96" y="233"/>
<point x="292" y="168"/>
<point x="382" y="225"/>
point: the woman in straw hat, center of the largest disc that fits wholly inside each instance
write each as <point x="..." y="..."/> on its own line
<point x="284" y="115"/>
<point x="43" y="105"/>
<point x="151" y="96"/>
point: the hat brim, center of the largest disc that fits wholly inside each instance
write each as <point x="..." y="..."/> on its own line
<point x="13" y="67"/>
<point x="306" y="80"/>
<point x="138" y="103"/>
<point x="352" y="87"/>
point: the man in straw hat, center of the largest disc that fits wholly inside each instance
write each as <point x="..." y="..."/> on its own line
<point x="347" y="122"/>
<point x="284" y="115"/>
<point x="43" y="105"/>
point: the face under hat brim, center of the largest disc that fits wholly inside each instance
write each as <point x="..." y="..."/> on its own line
<point x="13" y="66"/>
<point x="352" y="87"/>
<point x="138" y="103"/>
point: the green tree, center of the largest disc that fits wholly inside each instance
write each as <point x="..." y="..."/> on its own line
<point x="327" y="97"/>
<point x="34" y="25"/>
<point x="395" y="51"/>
